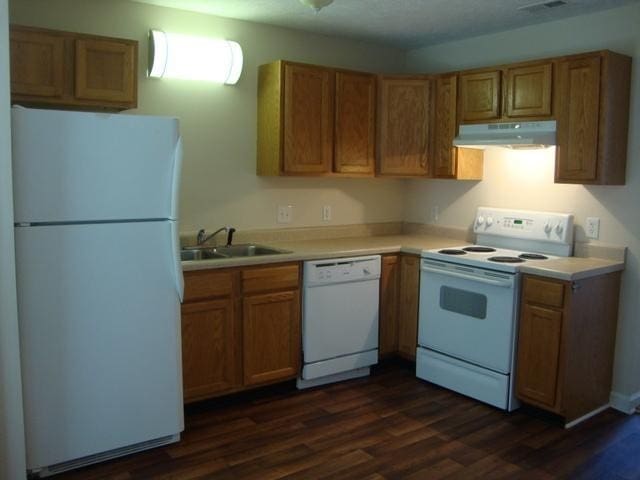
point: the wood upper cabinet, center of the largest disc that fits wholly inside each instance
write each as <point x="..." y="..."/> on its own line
<point x="240" y="328"/>
<point x="64" y="69"/>
<point x="480" y="96"/>
<point x="315" y="121"/>
<point x="528" y="90"/>
<point x="210" y="334"/>
<point x="389" y="305"/>
<point x="448" y="161"/>
<point x="105" y="70"/>
<point x="521" y="91"/>
<point x="37" y="63"/>
<point x="404" y="110"/>
<point x="566" y="342"/>
<point x="355" y="123"/>
<point x="592" y="96"/>
<point x="308" y="119"/>
<point x="408" y="306"/>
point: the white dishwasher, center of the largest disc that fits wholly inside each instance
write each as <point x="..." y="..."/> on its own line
<point x="339" y="319"/>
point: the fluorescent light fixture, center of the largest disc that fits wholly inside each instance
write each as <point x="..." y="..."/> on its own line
<point x="174" y="55"/>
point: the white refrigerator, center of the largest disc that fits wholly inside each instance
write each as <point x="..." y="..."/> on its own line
<point x="99" y="283"/>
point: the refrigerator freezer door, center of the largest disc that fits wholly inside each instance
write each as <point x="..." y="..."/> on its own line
<point x="100" y="338"/>
<point x="120" y="166"/>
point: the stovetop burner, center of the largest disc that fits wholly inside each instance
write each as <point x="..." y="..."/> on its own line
<point x="505" y="259"/>
<point x="479" y="249"/>
<point x="452" y="251"/>
<point x="532" y="256"/>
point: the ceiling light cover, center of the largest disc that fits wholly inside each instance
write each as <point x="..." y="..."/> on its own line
<point x="174" y="55"/>
<point x="317" y="5"/>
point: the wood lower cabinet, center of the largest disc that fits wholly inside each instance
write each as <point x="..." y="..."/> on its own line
<point x="72" y="70"/>
<point x="404" y="108"/>
<point x="271" y="323"/>
<point x="315" y="121"/>
<point x="408" y="306"/>
<point x="209" y="347"/>
<point x="592" y="96"/>
<point x="399" y="299"/>
<point x="240" y="328"/>
<point x="566" y="342"/>
<point x="389" y="303"/>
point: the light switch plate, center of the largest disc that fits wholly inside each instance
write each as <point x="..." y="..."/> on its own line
<point x="592" y="227"/>
<point x="285" y="213"/>
<point x="326" y="213"/>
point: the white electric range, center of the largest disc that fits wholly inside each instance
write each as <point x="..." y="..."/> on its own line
<point x="469" y="301"/>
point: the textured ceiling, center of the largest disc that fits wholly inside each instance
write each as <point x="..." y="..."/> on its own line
<point x="399" y="23"/>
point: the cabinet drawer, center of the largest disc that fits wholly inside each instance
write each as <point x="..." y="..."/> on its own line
<point x="207" y="284"/>
<point x="544" y="292"/>
<point x="270" y="278"/>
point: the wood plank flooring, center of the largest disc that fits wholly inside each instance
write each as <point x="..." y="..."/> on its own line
<point x="388" y="426"/>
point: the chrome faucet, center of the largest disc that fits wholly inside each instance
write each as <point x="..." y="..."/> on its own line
<point x="203" y="238"/>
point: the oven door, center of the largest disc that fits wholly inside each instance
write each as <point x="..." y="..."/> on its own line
<point x="468" y="313"/>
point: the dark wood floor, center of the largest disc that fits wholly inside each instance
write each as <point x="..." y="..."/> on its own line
<point x="388" y="426"/>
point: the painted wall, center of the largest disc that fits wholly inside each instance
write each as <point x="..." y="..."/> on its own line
<point x="525" y="179"/>
<point x="12" y="454"/>
<point x="219" y="123"/>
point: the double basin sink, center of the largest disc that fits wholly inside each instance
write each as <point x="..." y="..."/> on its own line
<point x="229" y="251"/>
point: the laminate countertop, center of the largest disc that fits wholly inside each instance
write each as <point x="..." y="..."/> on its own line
<point x="567" y="268"/>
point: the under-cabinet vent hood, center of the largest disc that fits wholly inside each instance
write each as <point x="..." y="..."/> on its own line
<point x="510" y="135"/>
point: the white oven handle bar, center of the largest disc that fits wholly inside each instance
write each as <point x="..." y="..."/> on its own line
<point x="506" y="283"/>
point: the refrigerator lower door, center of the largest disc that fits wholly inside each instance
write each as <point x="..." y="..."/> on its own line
<point x="100" y="338"/>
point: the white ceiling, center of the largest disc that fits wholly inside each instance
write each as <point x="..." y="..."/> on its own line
<point x="399" y="23"/>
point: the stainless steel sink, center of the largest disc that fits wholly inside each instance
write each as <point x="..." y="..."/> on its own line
<point x="248" y="250"/>
<point x="211" y="253"/>
<point x="199" y="254"/>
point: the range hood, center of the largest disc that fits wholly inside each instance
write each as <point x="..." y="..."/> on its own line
<point x="522" y="135"/>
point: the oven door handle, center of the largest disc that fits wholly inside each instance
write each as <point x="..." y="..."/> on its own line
<point x="488" y="281"/>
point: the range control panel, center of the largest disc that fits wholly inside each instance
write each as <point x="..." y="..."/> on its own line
<point x="524" y="224"/>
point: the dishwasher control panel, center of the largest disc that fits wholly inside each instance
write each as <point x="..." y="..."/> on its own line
<point x="338" y="270"/>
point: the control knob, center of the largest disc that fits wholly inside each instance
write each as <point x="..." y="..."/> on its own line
<point x="547" y="227"/>
<point x="489" y="221"/>
<point x="480" y="220"/>
<point x="559" y="228"/>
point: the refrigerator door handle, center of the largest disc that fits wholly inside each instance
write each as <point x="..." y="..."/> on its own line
<point x="177" y="265"/>
<point x="177" y="174"/>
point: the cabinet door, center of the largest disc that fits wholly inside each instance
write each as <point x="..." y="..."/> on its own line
<point x="355" y="123"/>
<point x="404" y="127"/>
<point x="408" y="309"/>
<point x="578" y="95"/>
<point x="528" y="91"/>
<point x="539" y="354"/>
<point x="106" y="71"/>
<point x="444" y="126"/>
<point x="389" y="301"/>
<point x="480" y="96"/>
<point x="308" y="119"/>
<point x="208" y="348"/>
<point x="37" y="63"/>
<point x="271" y="336"/>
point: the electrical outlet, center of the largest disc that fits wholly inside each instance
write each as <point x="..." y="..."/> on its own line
<point x="285" y="213"/>
<point x="435" y="213"/>
<point x="326" y="213"/>
<point x="592" y="227"/>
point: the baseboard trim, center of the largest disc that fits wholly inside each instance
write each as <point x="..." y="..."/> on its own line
<point x="592" y="413"/>
<point x="625" y="403"/>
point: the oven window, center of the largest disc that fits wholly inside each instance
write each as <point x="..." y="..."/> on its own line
<point x="463" y="302"/>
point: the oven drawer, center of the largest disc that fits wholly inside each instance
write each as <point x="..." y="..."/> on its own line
<point x="485" y="385"/>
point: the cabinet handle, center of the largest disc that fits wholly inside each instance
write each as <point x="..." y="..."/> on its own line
<point x="575" y="287"/>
